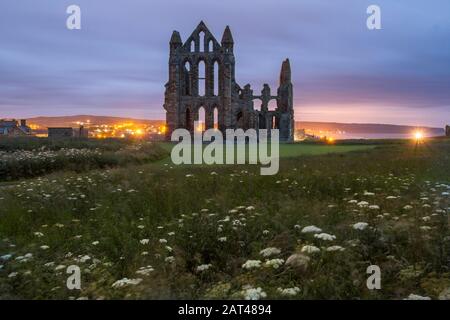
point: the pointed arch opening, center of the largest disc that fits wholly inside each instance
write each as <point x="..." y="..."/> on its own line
<point x="201" y="78"/>
<point x="272" y="106"/>
<point x="210" y="46"/>
<point x="216" y="78"/>
<point x="201" y="37"/>
<point x="187" y="78"/>
<point x="257" y="104"/>
<point x="216" y="117"/>
<point x="188" y="119"/>
<point x="201" y="119"/>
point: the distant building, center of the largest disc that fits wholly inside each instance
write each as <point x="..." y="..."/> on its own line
<point x="12" y="128"/>
<point x="68" y="132"/>
<point x="447" y="131"/>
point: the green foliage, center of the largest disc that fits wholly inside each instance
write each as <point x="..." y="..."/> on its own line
<point x="160" y="223"/>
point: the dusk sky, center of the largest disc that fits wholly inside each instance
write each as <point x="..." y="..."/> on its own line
<point x="117" y="64"/>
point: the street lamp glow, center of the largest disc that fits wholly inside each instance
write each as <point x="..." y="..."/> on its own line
<point x="418" y="135"/>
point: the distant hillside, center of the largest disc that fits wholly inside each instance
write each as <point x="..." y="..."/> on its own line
<point x="357" y="128"/>
<point x="71" y="121"/>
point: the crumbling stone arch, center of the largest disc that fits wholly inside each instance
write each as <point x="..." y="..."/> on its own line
<point x="236" y="106"/>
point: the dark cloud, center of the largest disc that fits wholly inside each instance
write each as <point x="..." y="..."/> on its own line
<point x="117" y="63"/>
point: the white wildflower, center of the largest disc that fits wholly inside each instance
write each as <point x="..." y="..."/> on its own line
<point x="269" y="252"/>
<point x="125" y="282"/>
<point x="254" y="294"/>
<point x="203" y="267"/>
<point x="325" y="236"/>
<point x="310" y="249"/>
<point x="251" y="264"/>
<point x="311" y="229"/>
<point x="363" y="204"/>
<point x="289" y="292"/>
<point x="274" y="263"/>
<point x="360" y="226"/>
<point x="335" y="248"/>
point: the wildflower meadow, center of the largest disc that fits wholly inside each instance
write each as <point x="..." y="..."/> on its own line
<point x="152" y="230"/>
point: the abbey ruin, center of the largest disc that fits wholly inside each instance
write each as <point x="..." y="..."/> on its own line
<point x="202" y="75"/>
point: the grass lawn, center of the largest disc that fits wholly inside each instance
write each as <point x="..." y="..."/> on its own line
<point x="153" y="230"/>
<point x="293" y="149"/>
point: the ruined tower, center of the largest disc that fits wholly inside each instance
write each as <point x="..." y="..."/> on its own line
<point x="202" y="78"/>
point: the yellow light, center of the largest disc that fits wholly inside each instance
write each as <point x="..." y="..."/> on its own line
<point x="139" y="132"/>
<point x="418" y="135"/>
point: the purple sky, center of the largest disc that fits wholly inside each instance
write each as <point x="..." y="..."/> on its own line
<point x="117" y="64"/>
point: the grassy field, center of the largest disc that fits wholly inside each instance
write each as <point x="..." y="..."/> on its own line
<point x="289" y="150"/>
<point x="153" y="230"/>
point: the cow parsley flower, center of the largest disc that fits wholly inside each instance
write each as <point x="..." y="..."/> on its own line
<point x="325" y="237"/>
<point x="145" y="271"/>
<point x="203" y="267"/>
<point x="269" y="252"/>
<point x="363" y="204"/>
<point x="254" y="294"/>
<point x="252" y="264"/>
<point x="310" y="249"/>
<point x="311" y="229"/>
<point x="289" y="292"/>
<point x="360" y="226"/>
<point x="126" y="282"/>
<point x="335" y="248"/>
<point x="6" y="257"/>
<point x="274" y="263"/>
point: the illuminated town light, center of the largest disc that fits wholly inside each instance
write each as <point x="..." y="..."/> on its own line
<point x="418" y="135"/>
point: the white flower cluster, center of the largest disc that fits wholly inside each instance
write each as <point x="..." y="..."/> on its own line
<point x="325" y="236"/>
<point x="311" y="229"/>
<point x="360" y="226"/>
<point x="274" y="263"/>
<point x="254" y="294"/>
<point x="289" y="292"/>
<point x="270" y="252"/>
<point x="145" y="271"/>
<point x="126" y="282"/>
<point x="203" y="267"/>
<point x="252" y="264"/>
